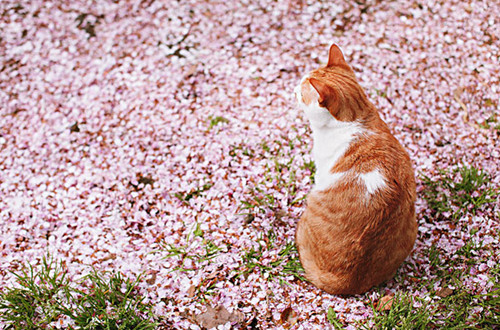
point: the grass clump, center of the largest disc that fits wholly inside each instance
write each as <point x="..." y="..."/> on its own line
<point x="214" y="121"/>
<point x="45" y="297"/>
<point x="453" y="268"/>
<point x="331" y="316"/>
<point x="109" y="302"/>
<point x="190" y="250"/>
<point x="34" y="303"/>
<point x="403" y="311"/>
<point x="465" y="310"/>
<point x="491" y="122"/>
<point x="185" y="196"/>
<point x="458" y="302"/>
<point x="284" y="264"/>
<point x="281" y="178"/>
<point x="193" y="255"/>
<point x="460" y="309"/>
<point x="458" y="192"/>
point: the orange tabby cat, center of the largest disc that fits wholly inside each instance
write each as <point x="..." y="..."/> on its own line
<point x="359" y="224"/>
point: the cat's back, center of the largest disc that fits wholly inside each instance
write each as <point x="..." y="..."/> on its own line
<point x="377" y="156"/>
<point x="374" y="168"/>
<point x="355" y="233"/>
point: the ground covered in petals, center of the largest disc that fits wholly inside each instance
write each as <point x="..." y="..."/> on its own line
<point x="161" y="138"/>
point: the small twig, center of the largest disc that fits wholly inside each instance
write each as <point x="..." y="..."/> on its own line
<point x="456" y="96"/>
<point x="177" y="52"/>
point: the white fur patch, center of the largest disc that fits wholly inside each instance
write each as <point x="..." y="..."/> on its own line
<point x="373" y="181"/>
<point x="330" y="144"/>
<point x="324" y="182"/>
<point x="331" y="140"/>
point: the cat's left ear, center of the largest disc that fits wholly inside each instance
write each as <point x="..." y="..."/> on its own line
<point x="335" y="57"/>
<point x="328" y="97"/>
<point x="322" y="89"/>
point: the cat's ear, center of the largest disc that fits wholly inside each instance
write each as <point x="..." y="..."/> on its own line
<point x="335" y="57"/>
<point x="323" y="90"/>
<point x="328" y="97"/>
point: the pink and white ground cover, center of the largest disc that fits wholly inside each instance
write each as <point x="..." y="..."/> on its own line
<point x="131" y="128"/>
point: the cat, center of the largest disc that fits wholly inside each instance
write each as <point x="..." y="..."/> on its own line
<point x="359" y="224"/>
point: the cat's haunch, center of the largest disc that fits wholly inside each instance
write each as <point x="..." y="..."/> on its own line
<point x="359" y="224"/>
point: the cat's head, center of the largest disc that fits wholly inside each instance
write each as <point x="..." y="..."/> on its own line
<point x="332" y="92"/>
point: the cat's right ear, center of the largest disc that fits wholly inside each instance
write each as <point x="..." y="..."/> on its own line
<point x="335" y="57"/>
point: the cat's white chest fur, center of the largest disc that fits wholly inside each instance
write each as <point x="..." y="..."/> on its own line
<point x="331" y="140"/>
<point x="330" y="144"/>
